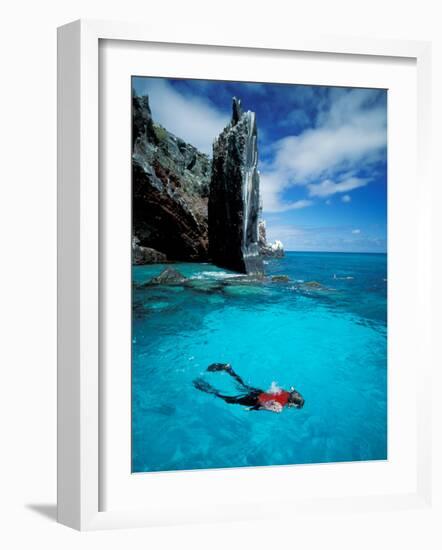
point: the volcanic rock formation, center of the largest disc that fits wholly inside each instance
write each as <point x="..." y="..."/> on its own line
<point x="145" y="255"/>
<point x="234" y="200"/>
<point x="170" y="183"/>
<point x="272" y="250"/>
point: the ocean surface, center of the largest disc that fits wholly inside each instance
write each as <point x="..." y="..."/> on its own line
<point x="330" y="343"/>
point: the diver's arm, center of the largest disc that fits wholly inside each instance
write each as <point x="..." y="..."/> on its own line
<point x="272" y="406"/>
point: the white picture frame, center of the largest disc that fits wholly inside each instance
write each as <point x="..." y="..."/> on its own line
<point x="79" y="275"/>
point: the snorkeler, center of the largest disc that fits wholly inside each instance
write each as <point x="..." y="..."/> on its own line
<point x="254" y="398"/>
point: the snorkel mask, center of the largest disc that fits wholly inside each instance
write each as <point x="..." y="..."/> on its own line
<point x="295" y="399"/>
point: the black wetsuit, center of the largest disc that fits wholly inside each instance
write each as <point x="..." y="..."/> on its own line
<point x="248" y="399"/>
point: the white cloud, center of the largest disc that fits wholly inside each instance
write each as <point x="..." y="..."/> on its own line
<point x="356" y="231"/>
<point x="349" y="135"/>
<point x="329" y="187"/>
<point x="191" y="118"/>
<point x="300" y="204"/>
<point x="318" y="151"/>
<point x="346" y="198"/>
<point x="294" y="205"/>
<point x="271" y="185"/>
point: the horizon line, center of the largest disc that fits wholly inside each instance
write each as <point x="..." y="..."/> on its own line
<point x="338" y="251"/>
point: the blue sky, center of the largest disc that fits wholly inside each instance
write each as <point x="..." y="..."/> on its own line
<point x="322" y="154"/>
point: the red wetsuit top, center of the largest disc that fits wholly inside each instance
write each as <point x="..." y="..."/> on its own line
<point x="281" y="398"/>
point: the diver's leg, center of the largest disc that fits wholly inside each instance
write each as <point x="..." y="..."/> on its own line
<point x="246" y="400"/>
<point x="249" y="400"/>
<point x="226" y="367"/>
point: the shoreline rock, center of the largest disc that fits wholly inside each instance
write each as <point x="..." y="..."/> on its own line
<point x="142" y="255"/>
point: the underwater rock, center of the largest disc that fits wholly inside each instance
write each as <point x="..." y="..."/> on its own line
<point x="204" y="285"/>
<point x="280" y="279"/>
<point x="234" y="199"/>
<point x="272" y="250"/>
<point x="144" y="255"/>
<point x="243" y="290"/>
<point x="247" y="285"/>
<point x="168" y="276"/>
<point x="170" y="185"/>
<point x="314" y="284"/>
<point x="244" y="280"/>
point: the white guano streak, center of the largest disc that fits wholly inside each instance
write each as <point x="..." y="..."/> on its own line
<point x="251" y="162"/>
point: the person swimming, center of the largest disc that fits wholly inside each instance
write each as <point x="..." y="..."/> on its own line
<point x="256" y="399"/>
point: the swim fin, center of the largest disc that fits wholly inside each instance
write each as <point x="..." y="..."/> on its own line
<point x="227" y="367"/>
<point x="204" y="386"/>
<point x="214" y="367"/>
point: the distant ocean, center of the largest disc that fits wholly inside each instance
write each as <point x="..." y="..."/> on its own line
<point x="328" y="342"/>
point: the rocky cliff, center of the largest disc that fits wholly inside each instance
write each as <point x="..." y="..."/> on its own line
<point x="234" y="200"/>
<point x="272" y="250"/>
<point x="170" y="185"/>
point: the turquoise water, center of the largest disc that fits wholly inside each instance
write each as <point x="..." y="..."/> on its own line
<point x="330" y="343"/>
